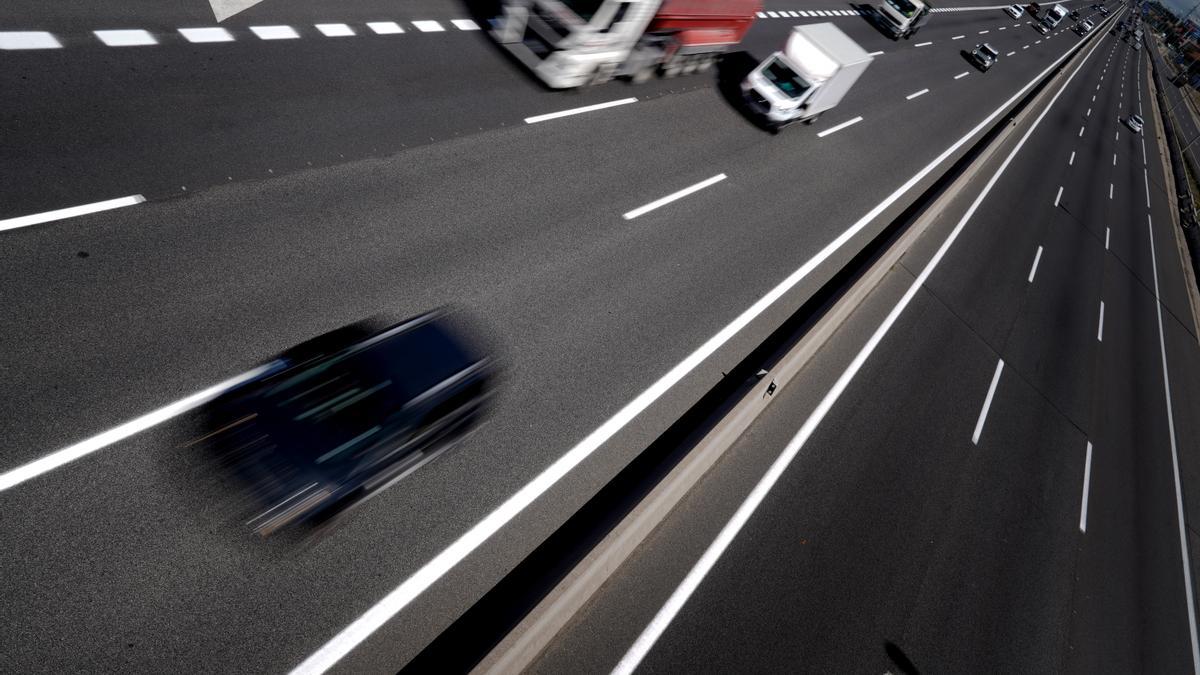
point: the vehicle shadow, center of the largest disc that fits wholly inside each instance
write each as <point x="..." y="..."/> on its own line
<point x="869" y="14"/>
<point x="899" y="659"/>
<point x="731" y="70"/>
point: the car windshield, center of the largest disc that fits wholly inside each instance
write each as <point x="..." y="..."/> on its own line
<point x="989" y="51"/>
<point x="584" y="9"/>
<point x="905" y="7"/>
<point x="1136" y="119"/>
<point x="783" y="77"/>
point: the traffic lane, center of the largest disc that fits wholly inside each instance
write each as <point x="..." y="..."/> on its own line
<point x="192" y="116"/>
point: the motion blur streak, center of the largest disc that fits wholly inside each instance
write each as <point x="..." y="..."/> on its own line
<point x="71" y="453"/>
<point x="353" y="635"/>
<point x="649" y="636"/>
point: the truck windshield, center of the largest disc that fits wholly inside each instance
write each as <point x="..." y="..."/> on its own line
<point x="783" y="77"/>
<point x="584" y="9"/>
<point x="904" y="7"/>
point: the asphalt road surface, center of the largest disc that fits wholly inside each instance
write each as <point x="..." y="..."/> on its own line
<point x="948" y="514"/>
<point x="295" y="185"/>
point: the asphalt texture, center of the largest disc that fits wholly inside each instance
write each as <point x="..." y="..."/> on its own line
<point x="893" y="542"/>
<point x="425" y="189"/>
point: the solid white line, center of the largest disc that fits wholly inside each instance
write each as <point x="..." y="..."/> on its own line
<point x="674" y="196"/>
<point x="987" y="402"/>
<point x="125" y="38"/>
<point x="1087" y="480"/>
<point x="349" y="637"/>
<point x="961" y="75"/>
<point x="69" y="212"/>
<point x="1071" y="161"/>
<point x="1100" y="325"/>
<point x="1058" y="196"/>
<point x="875" y="54"/>
<point x="922" y="44"/>
<point x="428" y="26"/>
<point x="464" y="24"/>
<point x="839" y="127"/>
<point x="201" y="35"/>
<point x="1146" y="178"/>
<point x="334" y="29"/>
<point x="575" y="111"/>
<point x="275" y="32"/>
<point x="28" y="39"/>
<point x="916" y="94"/>
<point x="1106" y="233"/>
<point x="385" y="27"/>
<point x="1036" y="259"/>
<point x="71" y="453"/>
<point x="1183" y="544"/>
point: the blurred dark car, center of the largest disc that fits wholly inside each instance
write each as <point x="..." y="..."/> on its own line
<point x="337" y="419"/>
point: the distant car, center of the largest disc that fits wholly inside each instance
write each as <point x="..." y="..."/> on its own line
<point x="1015" y="11"/>
<point x="1135" y="123"/>
<point x="341" y="417"/>
<point x="1074" y="15"/>
<point x="1082" y="28"/>
<point x="1040" y="27"/>
<point x="984" y="56"/>
<point x="1033" y="8"/>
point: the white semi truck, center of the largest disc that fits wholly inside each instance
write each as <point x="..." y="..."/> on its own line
<point x="1056" y="14"/>
<point x="817" y="67"/>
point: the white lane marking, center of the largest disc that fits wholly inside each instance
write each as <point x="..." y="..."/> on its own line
<point x="958" y="37"/>
<point x="1100" y="324"/>
<point x="1058" y="196"/>
<point x="674" y="196"/>
<point x="773" y="15"/>
<point x="982" y="32"/>
<point x="1144" y="151"/>
<point x="575" y="111"/>
<point x="400" y="597"/>
<point x="1025" y="47"/>
<point x="71" y="453"/>
<point x="916" y="94"/>
<point x="1010" y="53"/>
<point x="922" y="44"/>
<point x="464" y="24"/>
<point x="1187" y="567"/>
<point x="428" y="26"/>
<point x="987" y="403"/>
<point x="1107" y="232"/>
<point x="1081" y="132"/>
<point x="69" y="212"/>
<point x="28" y="39"/>
<point x="961" y="75"/>
<point x="200" y="35"/>
<point x="1071" y="161"/>
<point x="1002" y="28"/>
<point x="1146" y="179"/>
<point x="1117" y="136"/>
<point x="1093" y="98"/>
<point x="1037" y="42"/>
<point x="1110" y="190"/>
<point x="1089" y="113"/>
<point x="839" y="127"/>
<point x="761" y="15"/>
<point x="335" y="29"/>
<point x="1036" y="259"/>
<point x="275" y="32"/>
<point x="385" y="27"/>
<point x="125" y="38"/>
<point x="875" y="54"/>
<point x="1114" y="159"/>
<point x="1087" y="480"/>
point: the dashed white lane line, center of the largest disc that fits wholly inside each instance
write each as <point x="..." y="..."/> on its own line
<point x="1100" y="324"/>
<point x="923" y="44"/>
<point x="1036" y="259"/>
<point x="335" y="29"/>
<point x="1117" y="136"/>
<point x="987" y="403"/>
<point x="1110" y="190"/>
<point x="961" y="75"/>
<point x="201" y="35"/>
<point x="1071" y="161"/>
<point x="1144" y="152"/>
<point x="1089" y="113"/>
<point x="576" y="111"/>
<point x="983" y="32"/>
<point x="428" y="26"/>
<point x="1114" y="159"/>
<point x="674" y="196"/>
<point x="464" y="24"/>
<point x="839" y="127"/>
<point x="69" y="212"/>
<point x="125" y="38"/>
<point x="1058" y="196"/>
<point x="1107" y="232"/>
<point x="1002" y="28"/>
<point x="1081" y="131"/>
<point x="1010" y="53"/>
<point x="275" y="32"/>
<point x="385" y="27"/>
<point x="916" y="94"/>
<point x="1146" y="182"/>
<point x="1025" y="47"/>
<point x="28" y="39"/>
<point x="1183" y="544"/>
<point x="875" y="54"/>
<point x="1093" y="98"/>
<point x="1087" y="480"/>
<point x="71" y="453"/>
<point x="1037" y="42"/>
<point x="958" y="37"/>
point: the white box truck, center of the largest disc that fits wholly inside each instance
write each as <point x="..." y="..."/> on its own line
<point x="811" y="75"/>
<point x="902" y="18"/>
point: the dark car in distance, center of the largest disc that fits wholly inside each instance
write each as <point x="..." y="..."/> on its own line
<point x="337" y="419"/>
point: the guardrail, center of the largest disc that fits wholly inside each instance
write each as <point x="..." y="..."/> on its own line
<point x="1180" y="164"/>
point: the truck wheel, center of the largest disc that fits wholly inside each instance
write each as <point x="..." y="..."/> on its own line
<point x="643" y="75"/>
<point x="706" y="63"/>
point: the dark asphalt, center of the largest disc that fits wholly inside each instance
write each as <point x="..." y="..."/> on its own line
<point x="893" y="543"/>
<point x="127" y="559"/>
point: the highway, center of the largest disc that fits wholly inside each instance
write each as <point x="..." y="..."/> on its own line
<point x="287" y="187"/>
<point x="997" y="486"/>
